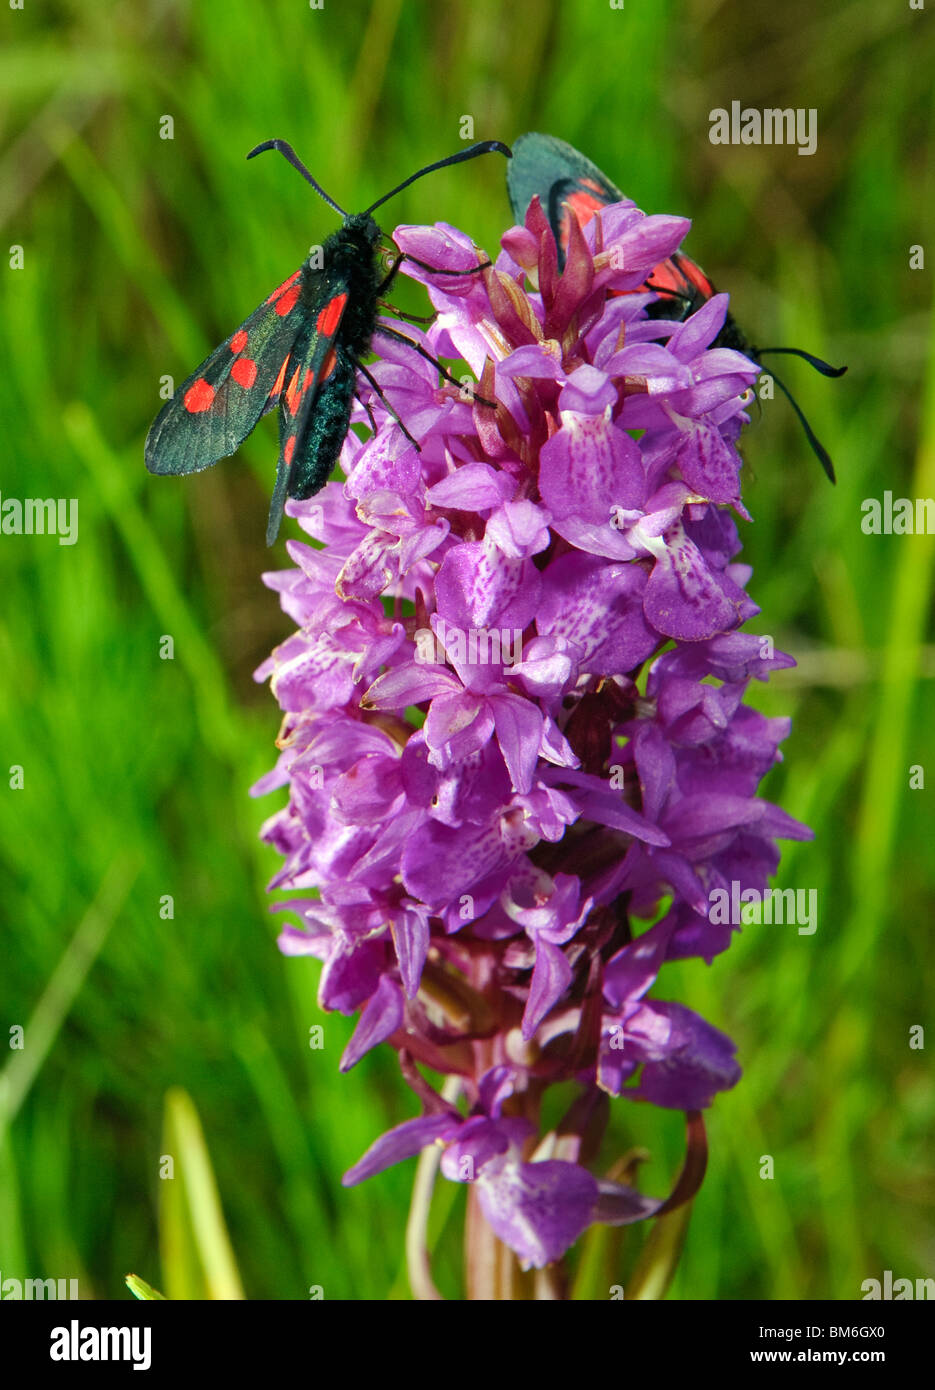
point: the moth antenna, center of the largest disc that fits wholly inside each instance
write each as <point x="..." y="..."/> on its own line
<point x="482" y="147"/>
<point x="673" y="294"/>
<point x="817" y="362"/>
<point x="821" y="453"/>
<point x="289" y="153"/>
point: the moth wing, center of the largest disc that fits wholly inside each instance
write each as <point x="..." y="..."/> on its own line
<point x="212" y="412"/>
<point x="310" y="364"/>
<point x="542" y="163"/>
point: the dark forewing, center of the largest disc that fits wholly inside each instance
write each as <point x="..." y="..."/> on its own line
<point x="216" y="408"/>
<point x="311" y="363"/>
<point x="540" y="162"/>
<point x="562" y="177"/>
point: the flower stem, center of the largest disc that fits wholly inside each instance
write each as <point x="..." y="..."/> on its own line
<point x="418" y="1260"/>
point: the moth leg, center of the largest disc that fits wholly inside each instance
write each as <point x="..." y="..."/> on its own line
<point x="417" y="347"/>
<point x="401" y="313"/>
<point x="379" y="390"/>
<point x="366" y="405"/>
<point x="673" y="294"/>
<point x="436" y="270"/>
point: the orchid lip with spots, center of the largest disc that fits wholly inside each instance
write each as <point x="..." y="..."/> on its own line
<point x="507" y="854"/>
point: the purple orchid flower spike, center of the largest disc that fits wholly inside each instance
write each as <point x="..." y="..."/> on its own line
<point x="515" y="732"/>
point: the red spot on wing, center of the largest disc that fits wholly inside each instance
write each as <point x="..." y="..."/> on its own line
<point x="199" y="396"/>
<point x="584" y="205"/>
<point x="581" y="205"/>
<point x="296" y="390"/>
<point x="330" y="316"/>
<point x="293" y="394"/>
<point x="289" y="448"/>
<point x="693" y="273"/>
<point x="239" y="341"/>
<point x="286" y="302"/>
<point x="667" y="275"/>
<point x="277" y="384"/>
<point x="284" y="286"/>
<point x="244" y="372"/>
<point x="327" y="367"/>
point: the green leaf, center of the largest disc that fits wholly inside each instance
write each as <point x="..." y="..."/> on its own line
<point x="197" y="1257"/>
<point x="141" y="1290"/>
<point x="653" y="1271"/>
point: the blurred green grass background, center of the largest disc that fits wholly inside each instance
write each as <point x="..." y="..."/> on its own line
<point x="140" y="254"/>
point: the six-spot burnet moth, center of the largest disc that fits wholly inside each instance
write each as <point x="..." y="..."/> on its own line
<point x="569" y="185"/>
<point x="302" y="348"/>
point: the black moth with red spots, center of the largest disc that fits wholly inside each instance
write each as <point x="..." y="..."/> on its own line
<point x="302" y="350"/>
<point x="568" y="185"/>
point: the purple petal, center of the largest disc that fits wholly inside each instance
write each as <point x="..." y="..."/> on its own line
<point x="551" y="976"/>
<point x="457" y="726"/>
<point x="519" y="733"/>
<point x="684" y="598"/>
<point x="588" y="467"/>
<point x="619" y="1205"/>
<point x="694" y="335"/>
<point x="598" y="607"/>
<point x="399" y="1143"/>
<point x="709" y="465"/>
<point x="477" y="586"/>
<point x="382" y="1015"/>
<point x="411" y="939"/>
<point x="588" y="392"/>
<point x="474" y="487"/>
<point x="442" y="862"/>
<point x="538" y="1209"/>
<point x="410" y="685"/>
<point x="696" y="1063"/>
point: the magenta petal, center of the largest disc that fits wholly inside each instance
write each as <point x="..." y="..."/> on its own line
<point x="411" y="939"/>
<point x="656" y="767"/>
<point x="295" y="942"/>
<point x="706" y="812"/>
<point x="519" y="529"/>
<point x="550" y="978"/>
<point x="697" y="1061"/>
<point x="474" y="487"/>
<point x="534" y="360"/>
<point x="594" y="538"/>
<point x="631" y="972"/>
<point x="600" y="608"/>
<point x="480" y="1140"/>
<point x="684" y="598"/>
<point x="588" y="467"/>
<point x="410" y="685"/>
<point x="661" y="371"/>
<point x="352" y="972"/>
<point x="588" y="392"/>
<point x="457" y="726"/>
<point x="477" y="586"/>
<point x="538" y="1209"/>
<point x="647" y="240"/>
<point x="619" y="1205"/>
<point x="694" y="335"/>
<point x="442" y="862"/>
<point x="373" y="565"/>
<point x="519" y="733"/>
<point x="381" y="1016"/>
<point x="399" y="1143"/>
<point x="441" y="246"/>
<point x="710" y="465"/>
<point x="607" y="808"/>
